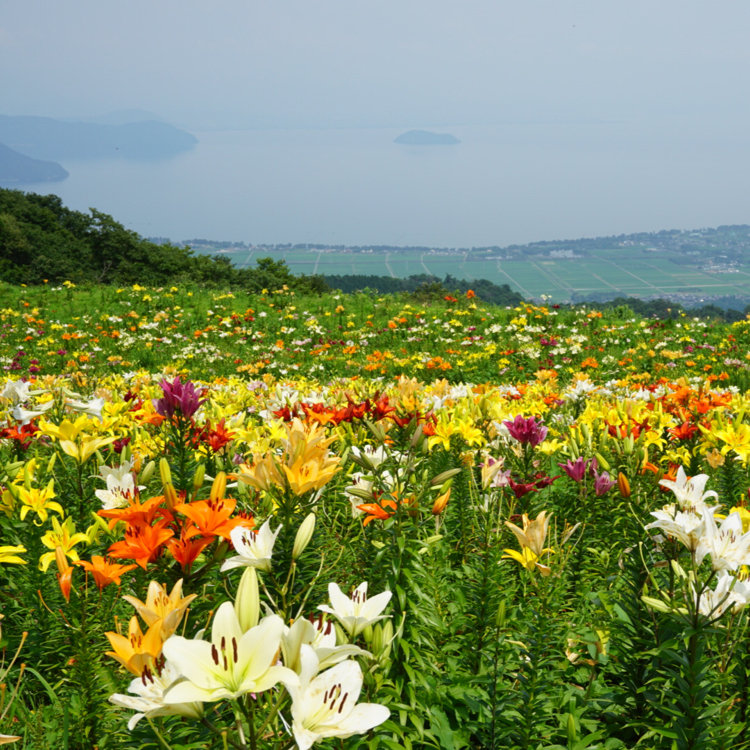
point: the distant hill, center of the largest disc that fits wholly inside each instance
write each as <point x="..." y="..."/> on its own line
<point x="426" y="138"/>
<point x="46" y="138"/>
<point x="15" y="168"/>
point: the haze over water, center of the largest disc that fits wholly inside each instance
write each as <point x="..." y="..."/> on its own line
<point x="513" y="183"/>
<point x="577" y="118"/>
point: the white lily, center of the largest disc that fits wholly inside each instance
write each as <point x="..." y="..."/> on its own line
<point x="320" y="635"/>
<point x="148" y="700"/>
<point x="689" y="492"/>
<point x="685" y="525"/>
<point x="16" y="391"/>
<point x="726" y="544"/>
<point x="24" y="416"/>
<point x="254" y="547"/>
<point x="370" y="457"/>
<point x="326" y="705"/>
<point x="92" y="407"/>
<point x="232" y="664"/>
<point x="730" y="594"/>
<point x="357" y="612"/>
<point x="120" y="488"/>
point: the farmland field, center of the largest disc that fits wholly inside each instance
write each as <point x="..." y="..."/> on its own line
<point x="632" y="271"/>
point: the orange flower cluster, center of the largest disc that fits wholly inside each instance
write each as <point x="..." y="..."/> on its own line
<point x="182" y="529"/>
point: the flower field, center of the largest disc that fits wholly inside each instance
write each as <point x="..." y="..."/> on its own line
<point x="274" y="521"/>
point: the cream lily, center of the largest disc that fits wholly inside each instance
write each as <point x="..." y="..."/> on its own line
<point x="326" y="705"/>
<point x="689" y="493"/>
<point x="167" y="609"/>
<point x="726" y="544"/>
<point x="148" y="698"/>
<point x="231" y="664"/>
<point x="254" y="547"/>
<point x="357" y="612"/>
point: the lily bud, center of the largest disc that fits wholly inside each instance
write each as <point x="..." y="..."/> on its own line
<point x="623" y="485"/>
<point x="500" y="616"/>
<point x="148" y="472"/>
<point x="628" y="444"/>
<point x="165" y="472"/>
<point x="198" y="477"/>
<point x="679" y="571"/>
<point x="304" y="535"/>
<point x="571" y="729"/>
<point x="655" y="604"/>
<point x="382" y="638"/>
<point x="65" y="575"/>
<point x="416" y="437"/>
<point x="219" y="486"/>
<point x="440" y="502"/>
<point x="444" y="477"/>
<point x="247" y="601"/>
<point x="602" y="461"/>
<point x="13" y="468"/>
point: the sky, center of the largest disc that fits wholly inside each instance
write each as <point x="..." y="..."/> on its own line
<point x="577" y="117"/>
<point x="382" y="63"/>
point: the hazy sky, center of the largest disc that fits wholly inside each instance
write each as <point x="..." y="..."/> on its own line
<point x="292" y="63"/>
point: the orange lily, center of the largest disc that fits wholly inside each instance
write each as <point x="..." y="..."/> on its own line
<point x="187" y="548"/>
<point x="104" y="571"/>
<point x="142" y="543"/>
<point x="137" y="513"/>
<point x="377" y="511"/>
<point x="212" y="516"/>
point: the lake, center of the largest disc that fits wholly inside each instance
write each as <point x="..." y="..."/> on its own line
<point x="513" y="183"/>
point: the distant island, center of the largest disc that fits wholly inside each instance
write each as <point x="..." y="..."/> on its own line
<point x="49" y="139"/>
<point x="426" y="138"/>
<point x="16" y="169"/>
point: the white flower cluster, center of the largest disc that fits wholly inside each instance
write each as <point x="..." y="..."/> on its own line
<point x="703" y="532"/>
<point x="242" y="656"/>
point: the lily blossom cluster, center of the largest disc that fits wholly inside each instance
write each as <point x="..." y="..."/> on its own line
<point x="306" y="463"/>
<point x="178" y="675"/>
<point x="183" y="529"/>
<point x="179" y="399"/>
<point x="723" y="540"/>
<point x="526" y="431"/>
<point x="581" y="468"/>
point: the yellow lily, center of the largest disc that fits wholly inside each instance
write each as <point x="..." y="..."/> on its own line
<point x="38" y="501"/>
<point x="162" y="607"/>
<point x="531" y="538"/>
<point x="61" y="535"/>
<point x="529" y="559"/>
<point x="83" y="449"/>
<point x="9" y="554"/>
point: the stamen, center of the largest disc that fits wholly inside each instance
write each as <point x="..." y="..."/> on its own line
<point x="343" y="700"/>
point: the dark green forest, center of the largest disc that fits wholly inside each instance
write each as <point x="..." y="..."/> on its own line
<point x="42" y="241"/>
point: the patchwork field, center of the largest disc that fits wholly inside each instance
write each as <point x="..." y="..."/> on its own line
<point x="635" y="271"/>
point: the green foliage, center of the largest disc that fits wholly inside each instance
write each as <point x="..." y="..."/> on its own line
<point x="43" y="241"/>
<point x="425" y="288"/>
